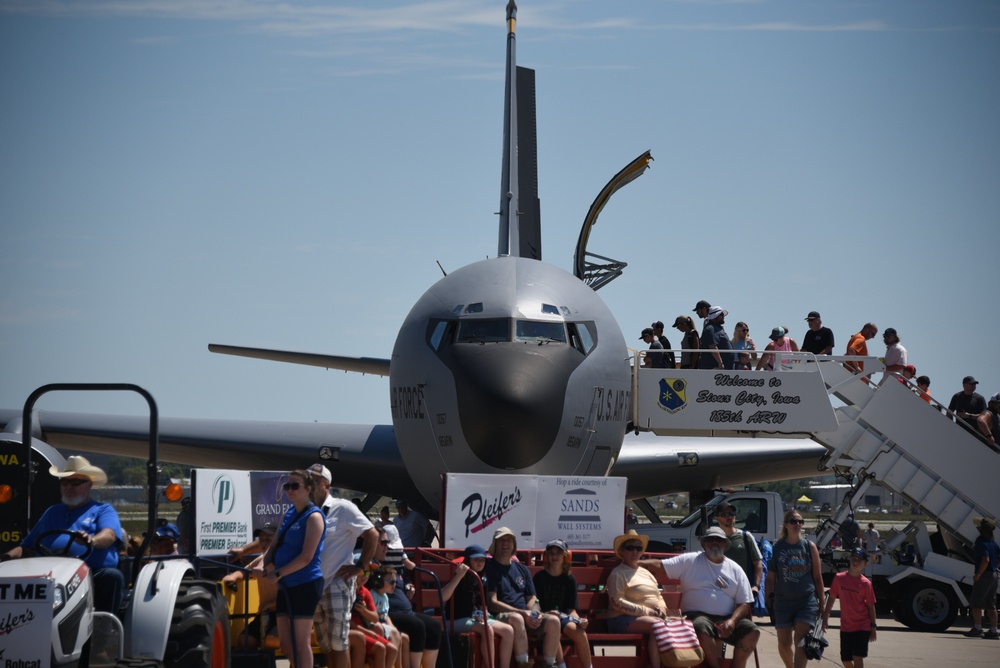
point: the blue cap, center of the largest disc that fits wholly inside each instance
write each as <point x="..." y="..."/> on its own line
<point x="168" y="531"/>
<point x="860" y="553"/>
<point x="475" y="552"/>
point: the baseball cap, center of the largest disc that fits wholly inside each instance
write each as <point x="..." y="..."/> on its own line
<point x="646" y="332"/>
<point x="777" y="333"/>
<point x="860" y="553"/>
<point x="680" y="320"/>
<point x="813" y="315"/>
<point x="555" y="542"/>
<point x="995" y="398"/>
<point x="168" y="531"/>
<point x="657" y="325"/>
<point x="475" y="552"/>
<point x="714" y="532"/>
<point x="266" y="528"/>
<point x="701" y="304"/>
<point x="890" y="331"/>
<point x="970" y="380"/>
<point x="321" y="471"/>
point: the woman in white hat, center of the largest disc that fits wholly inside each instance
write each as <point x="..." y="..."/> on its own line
<point x="633" y="593"/>
<point x="96" y="528"/>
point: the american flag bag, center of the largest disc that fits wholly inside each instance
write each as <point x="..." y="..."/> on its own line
<point x="677" y="642"/>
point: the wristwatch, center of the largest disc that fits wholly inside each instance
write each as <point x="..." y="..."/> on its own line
<point x="277" y="574"/>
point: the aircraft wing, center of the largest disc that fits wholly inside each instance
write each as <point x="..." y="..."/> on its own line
<point x="657" y="465"/>
<point x="367" y="456"/>
<point x="373" y="365"/>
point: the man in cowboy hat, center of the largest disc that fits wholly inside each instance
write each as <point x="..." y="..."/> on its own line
<point x="510" y="595"/>
<point x="716" y="597"/>
<point x="96" y="529"/>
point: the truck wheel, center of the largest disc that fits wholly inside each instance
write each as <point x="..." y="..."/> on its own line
<point x="199" y="628"/>
<point x="927" y="605"/>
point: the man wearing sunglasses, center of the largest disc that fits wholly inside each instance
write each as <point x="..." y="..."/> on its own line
<point x="742" y="546"/>
<point x="344" y="524"/>
<point x="94" y="526"/>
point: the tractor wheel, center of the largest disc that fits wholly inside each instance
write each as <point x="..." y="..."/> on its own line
<point x="926" y="605"/>
<point x="199" y="628"/>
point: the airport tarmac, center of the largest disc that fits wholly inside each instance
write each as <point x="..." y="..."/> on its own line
<point x="896" y="647"/>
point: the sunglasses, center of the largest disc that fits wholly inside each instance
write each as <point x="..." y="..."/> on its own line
<point x="632" y="548"/>
<point x="291" y="485"/>
<point x="796" y="522"/>
<point x="725" y="514"/>
<point x="73" y="483"/>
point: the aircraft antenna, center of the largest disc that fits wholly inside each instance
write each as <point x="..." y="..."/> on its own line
<point x="509" y="241"/>
<point x="441" y="268"/>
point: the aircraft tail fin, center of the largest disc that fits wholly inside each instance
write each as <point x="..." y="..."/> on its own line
<point x="520" y="224"/>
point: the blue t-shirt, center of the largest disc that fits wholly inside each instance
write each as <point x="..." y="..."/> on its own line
<point x="291" y="547"/>
<point x="512" y="583"/>
<point x="714" y="335"/>
<point x="91" y="517"/>
<point x="985" y="548"/>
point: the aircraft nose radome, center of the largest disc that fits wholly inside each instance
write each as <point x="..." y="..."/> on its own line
<point x="511" y="402"/>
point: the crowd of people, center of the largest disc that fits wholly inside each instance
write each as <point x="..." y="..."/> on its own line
<point x="715" y="349"/>
<point x="360" y="608"/>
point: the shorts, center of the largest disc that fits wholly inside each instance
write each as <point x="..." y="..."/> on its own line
<point x="371" y="641"/>
<point x="299" y="601"/>
<point x="465" y="624"/>
<point x="333" y="616"/>
<point x="704" y="623"/>
<point x="619" y="624"/>
<point x="789" y="613"/>
<point x="854" y="644"/>
<point x="537" y="633"/>
<point x="984" y="592"/>
<point x="269" y="621"/>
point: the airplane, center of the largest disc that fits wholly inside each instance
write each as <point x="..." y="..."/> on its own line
<point x="507" y="365"/>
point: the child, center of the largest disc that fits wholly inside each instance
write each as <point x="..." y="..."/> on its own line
<point x="469" y="607"/>
<point x="379" y="651"/>
<point x="857" y="610"/>
<point x="556" y="589"/>
<point x="382" y="580"/>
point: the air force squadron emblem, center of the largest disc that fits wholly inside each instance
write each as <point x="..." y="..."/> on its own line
<point x="673" y="395"/>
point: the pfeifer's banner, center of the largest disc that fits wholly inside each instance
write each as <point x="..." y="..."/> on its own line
<point x="585" y="511"/>
<point x="26" y="621"/>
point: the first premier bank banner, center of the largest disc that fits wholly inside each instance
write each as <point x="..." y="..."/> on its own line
<point x="585" y="511"/>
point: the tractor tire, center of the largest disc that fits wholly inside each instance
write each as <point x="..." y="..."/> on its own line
<point x="927" y="605"/>
<point x="199" y="627"/>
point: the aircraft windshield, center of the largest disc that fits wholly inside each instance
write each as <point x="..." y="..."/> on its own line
<point x="489" y="330"/>
<point x="533" y="330"/>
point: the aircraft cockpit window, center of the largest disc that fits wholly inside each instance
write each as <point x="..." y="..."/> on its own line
<point x="437" y="333"/>
<point x="489" y="330"/>
<point x="564" y="310"/>
<point x="458" y="309"/>
<point x="549" y="309"/>
<point x="475" y="308"/>
<point x="543" y="332"/>
<point x="580" y="336"/>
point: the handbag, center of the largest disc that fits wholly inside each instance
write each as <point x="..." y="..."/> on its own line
<point x="677" y="642"/>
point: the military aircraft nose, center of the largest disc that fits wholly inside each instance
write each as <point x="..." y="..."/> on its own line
<point x="511" y="400"/>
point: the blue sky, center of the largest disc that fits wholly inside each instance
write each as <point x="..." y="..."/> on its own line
<point x="175" y="173"/>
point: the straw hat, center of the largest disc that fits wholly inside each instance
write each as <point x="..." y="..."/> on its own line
<point x="631" y="535"/>
<point x="77" y="465"/>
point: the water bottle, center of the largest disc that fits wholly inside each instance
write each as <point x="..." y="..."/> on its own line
<point x="477" y="615"/>
<point x="535" y="615"/>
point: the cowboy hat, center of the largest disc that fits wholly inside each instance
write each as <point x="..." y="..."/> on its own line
<point x="77" y="465"/>
<point x="631" y="535"/>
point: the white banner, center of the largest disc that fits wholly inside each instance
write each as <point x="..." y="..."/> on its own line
<point x="223" y="510"/>
<point x="692" y="399"/>
<point x="585" y="511"/>
<point x="26" y="621"/>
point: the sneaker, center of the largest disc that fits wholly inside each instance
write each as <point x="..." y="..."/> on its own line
<point x="992" y="635"/>
<point x="973" y="633"/>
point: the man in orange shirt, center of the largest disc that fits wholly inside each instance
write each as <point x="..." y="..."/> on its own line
<point x="858" y="346"/>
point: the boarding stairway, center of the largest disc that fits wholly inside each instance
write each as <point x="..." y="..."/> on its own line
<point x="884" y="432"/>
<point x="887" y="433"/>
